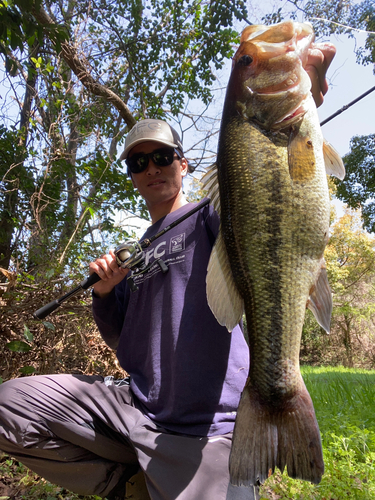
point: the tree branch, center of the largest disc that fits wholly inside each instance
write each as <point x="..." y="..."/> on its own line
<point x="79" y="67"/>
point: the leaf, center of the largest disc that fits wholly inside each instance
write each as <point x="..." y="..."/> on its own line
<point x="27" y="370"/>
<point x="50" y="273"/>
<point x="28" y="335"/>
<point x="18" y="346"/>
<point x="49" y="325"/>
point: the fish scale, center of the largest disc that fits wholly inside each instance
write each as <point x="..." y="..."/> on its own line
<point x="273" y="267"/>
<point x="258" y="265"/>
<point x="271" y="190"/>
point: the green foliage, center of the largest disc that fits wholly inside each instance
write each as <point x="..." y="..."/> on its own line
<point x="18" y="27"/>
<point x="18" y="346"/>
<point x="350" y="258"/>
<point x="166" y="49"/>
<point x="366" y="17"/>
<point x="155" y="56"/>
<point x="344" y="406"/>
<point x="350" y="262"/>
<point x="338" y="17"/>
<point x="334" y="17"/>
<point x="23" y="347"/>
<point x="358" y="187"/>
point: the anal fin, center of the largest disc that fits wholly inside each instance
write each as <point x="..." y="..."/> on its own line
<point x="320" y="300"/>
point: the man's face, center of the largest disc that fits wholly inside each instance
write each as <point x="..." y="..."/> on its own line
<point x="158" y="184"/>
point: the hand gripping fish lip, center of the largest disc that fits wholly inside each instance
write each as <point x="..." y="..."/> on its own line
<point x="272" y="86"/>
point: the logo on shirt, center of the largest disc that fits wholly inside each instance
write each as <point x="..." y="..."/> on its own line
<point x="160" y="251"/>
<point x="177" y="243"/>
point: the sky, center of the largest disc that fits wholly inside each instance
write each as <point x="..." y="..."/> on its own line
<point x="348" y="80"/>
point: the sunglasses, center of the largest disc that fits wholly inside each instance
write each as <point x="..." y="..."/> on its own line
<point x="162" y="157"/>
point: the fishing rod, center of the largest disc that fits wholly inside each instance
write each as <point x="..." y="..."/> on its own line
<point x="344" y="108"/>
<point x="129" y="255"/>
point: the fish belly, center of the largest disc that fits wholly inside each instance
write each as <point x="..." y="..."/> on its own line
<point x="275" y="226"/>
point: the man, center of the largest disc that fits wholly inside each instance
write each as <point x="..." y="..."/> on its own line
<point x="175" y="420"/>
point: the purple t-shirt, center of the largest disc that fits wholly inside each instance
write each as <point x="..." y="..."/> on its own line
<point x="187" y="372"/>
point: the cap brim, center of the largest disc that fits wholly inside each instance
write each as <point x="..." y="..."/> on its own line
<point x="124" y="154"/>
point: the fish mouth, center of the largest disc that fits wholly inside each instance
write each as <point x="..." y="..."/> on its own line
<point x="270" y="68"/>
<point x="278" y="119"/>
<point x="293" y="116"/>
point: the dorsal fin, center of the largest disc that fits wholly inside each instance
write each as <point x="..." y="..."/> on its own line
<point x="211" y="185"/>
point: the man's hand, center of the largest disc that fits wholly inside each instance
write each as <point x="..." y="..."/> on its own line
<point x="319" y="58"/>
<point x="109" y="272"/>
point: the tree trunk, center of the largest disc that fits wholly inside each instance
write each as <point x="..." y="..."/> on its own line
<point x="9" y="210"/>
<point x="348" y="341"/>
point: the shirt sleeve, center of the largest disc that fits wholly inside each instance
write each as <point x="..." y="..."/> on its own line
<point x="109" y="314"/>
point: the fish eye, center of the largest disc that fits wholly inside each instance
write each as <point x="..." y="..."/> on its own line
<point x="245" y="60"/>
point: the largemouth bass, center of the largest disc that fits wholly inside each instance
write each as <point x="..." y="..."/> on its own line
<point x="271" y="191"/>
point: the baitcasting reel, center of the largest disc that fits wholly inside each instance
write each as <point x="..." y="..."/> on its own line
<point x="129" y="255"/>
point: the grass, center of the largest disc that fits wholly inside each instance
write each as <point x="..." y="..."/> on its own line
<point x="344" y="401"/>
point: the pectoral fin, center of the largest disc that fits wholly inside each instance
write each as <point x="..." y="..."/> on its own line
<point x="301" y="156"/>
<point x="333" y="162"/>
<point x="320" y="300"/>
<point x="222" y="295"/>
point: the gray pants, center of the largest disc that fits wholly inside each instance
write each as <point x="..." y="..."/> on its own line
<point x="84" y="435"/>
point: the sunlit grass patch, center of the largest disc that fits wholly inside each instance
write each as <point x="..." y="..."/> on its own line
<point x="344" y="401"/>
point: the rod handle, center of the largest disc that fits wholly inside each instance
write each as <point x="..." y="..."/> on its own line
<point x="46" y="310"/>
<point x="84" y="285"/>
<point x="91" y="280"/>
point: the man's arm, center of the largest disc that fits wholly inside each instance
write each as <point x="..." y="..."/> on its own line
<point x="108" y="308"/>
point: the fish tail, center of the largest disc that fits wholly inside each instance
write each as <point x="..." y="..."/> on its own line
<point x="266" y="436"/>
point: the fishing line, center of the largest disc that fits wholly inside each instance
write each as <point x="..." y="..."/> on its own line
<point x="343" y="25"/>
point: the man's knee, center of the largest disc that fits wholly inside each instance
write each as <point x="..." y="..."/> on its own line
<point x="8" y="396"/>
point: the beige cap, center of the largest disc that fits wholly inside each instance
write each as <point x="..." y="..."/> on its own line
<point x="152" y="130"/>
